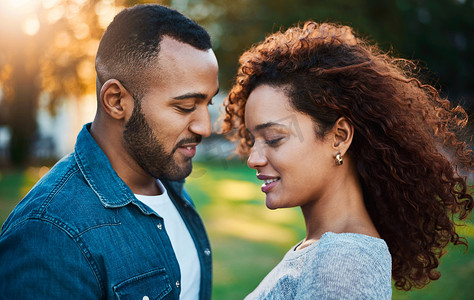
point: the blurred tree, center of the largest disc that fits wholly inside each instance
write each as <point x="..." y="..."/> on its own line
<point x="47" y="47"/>
<point x="438" y="33"/>
<point x="47" y="50"/>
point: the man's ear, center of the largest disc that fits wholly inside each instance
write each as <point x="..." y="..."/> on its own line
<point x="342" y="132"/>
<point x="115" y="100"/>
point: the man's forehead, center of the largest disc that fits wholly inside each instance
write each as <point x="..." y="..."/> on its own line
<point x="170" y="47"/>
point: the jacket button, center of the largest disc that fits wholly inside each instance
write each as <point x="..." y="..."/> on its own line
<point x="145" y="298"/>
<point x="177" y="284"/>
<point x="207" y="252"/>
<point x="159" y="226"/>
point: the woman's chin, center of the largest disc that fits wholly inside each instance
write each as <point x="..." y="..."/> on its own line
<point x="271" y="203"/>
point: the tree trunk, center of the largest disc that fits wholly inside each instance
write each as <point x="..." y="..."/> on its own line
<point x="22" y="116"/>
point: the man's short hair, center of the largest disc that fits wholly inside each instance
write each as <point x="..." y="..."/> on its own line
<point x="132" y="40"/>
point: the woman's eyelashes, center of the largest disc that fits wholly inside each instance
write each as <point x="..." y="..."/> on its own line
<point x="271" y="143"/>
<point x="274" y="141"/>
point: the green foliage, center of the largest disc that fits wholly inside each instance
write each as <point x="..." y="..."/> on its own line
<point x="438" y="33"/>
<point x="58" y="59"/>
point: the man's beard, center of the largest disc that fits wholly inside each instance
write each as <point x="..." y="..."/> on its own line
<point x="150" y="153"/>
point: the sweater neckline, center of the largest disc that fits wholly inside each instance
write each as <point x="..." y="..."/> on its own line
<point x="294" y="254"/>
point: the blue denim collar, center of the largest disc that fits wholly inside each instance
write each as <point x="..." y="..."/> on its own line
<point x="102" y="178"/>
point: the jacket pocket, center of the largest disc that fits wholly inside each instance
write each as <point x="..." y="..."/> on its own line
<point x="152" y="285"/>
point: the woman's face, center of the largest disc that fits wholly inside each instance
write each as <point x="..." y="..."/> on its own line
<point x="293" y="162"/>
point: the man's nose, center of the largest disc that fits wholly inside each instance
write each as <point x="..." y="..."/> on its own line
<point x="201" y="124"/>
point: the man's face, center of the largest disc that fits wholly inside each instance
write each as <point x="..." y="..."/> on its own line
<point x="164" y="129"/>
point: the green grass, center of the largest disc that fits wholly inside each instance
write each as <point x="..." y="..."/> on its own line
<point x="248" y="240"/>
<point x="14" y="185"/>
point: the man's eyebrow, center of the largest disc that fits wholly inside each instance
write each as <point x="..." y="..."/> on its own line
<point x="193" y="96"/>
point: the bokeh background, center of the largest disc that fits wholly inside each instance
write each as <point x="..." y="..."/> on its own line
<point x="47" y="86"/>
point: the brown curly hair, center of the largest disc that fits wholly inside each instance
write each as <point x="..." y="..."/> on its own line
<point x="407" y="143"/>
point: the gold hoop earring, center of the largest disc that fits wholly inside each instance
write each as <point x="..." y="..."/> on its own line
<point x="339" y="159"/>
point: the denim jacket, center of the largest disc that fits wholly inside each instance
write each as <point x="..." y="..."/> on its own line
<point x="80" y="233"/>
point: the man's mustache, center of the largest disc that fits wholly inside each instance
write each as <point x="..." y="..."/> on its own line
<point x="191" y="140"/>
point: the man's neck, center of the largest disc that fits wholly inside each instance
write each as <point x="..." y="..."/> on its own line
<point x="109" y="139"/>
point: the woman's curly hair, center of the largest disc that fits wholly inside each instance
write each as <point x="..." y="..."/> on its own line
<point x="407" y="144"/>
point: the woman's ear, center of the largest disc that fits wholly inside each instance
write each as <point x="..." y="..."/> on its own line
<point x="343" y="132"/>
<point x="115" y="100"/>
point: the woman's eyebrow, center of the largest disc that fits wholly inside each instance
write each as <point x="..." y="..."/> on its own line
<point x="267" y="125"/>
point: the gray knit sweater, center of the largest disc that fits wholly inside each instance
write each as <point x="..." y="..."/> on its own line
<point x="338" y="266"/>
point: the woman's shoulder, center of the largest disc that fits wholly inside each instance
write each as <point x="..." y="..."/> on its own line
<point x="354" y="244"/>
<point x="354" y="248"/>
<point x="350" y="266"/>
<point x="352" y="241"/>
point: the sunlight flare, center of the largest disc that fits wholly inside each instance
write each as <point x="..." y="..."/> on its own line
<point x="31" y="26"/>
<point x="17" y="4"/>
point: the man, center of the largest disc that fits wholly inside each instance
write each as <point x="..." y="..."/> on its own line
<point x="111" y="220"/>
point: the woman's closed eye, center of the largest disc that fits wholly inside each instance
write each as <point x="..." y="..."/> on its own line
<point x="274" y="142"/>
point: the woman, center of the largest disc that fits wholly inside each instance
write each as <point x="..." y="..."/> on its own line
<point x="372" y="156"/>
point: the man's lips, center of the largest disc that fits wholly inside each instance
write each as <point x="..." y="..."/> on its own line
<point x="188" y="150"/>
<point x="269" y="182"/>
<point x="188" y="146"/>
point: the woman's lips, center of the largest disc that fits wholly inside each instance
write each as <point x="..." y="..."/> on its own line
<point x="269" y="182"/>
<point x="266" y="187"/>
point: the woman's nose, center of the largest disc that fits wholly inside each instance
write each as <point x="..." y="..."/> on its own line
<point x="257" y="157"/>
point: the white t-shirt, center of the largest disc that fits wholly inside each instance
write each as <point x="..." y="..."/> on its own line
<point x="181" y="240"/>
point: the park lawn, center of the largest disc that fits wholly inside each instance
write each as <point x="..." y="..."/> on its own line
<point x="14" y="184"/>
<point x="248" y="240"/>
